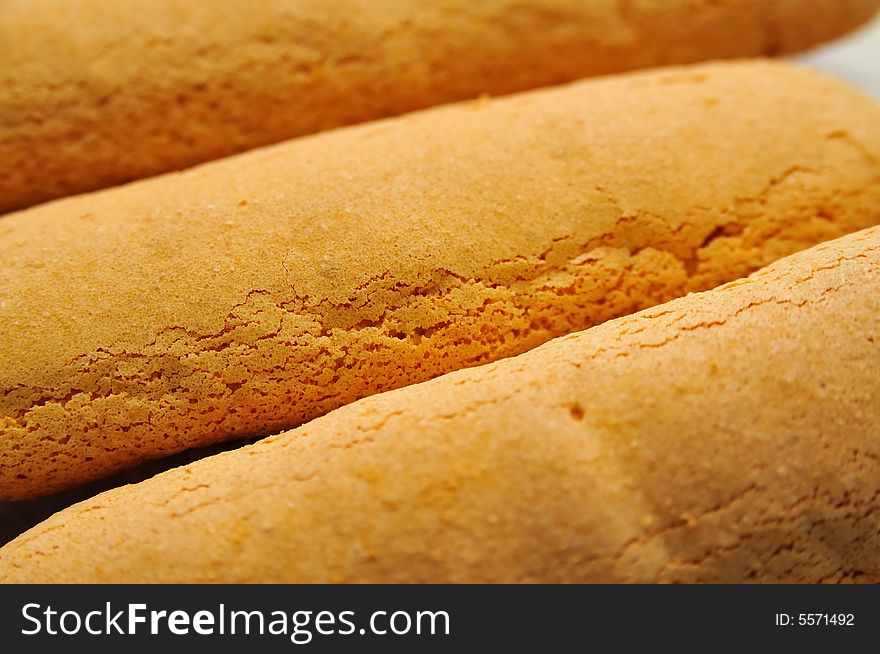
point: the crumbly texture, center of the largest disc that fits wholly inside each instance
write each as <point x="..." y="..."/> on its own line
<point x="728" y="436"/>
<point x="250" y="295"/>
<point x="96" y="92"/>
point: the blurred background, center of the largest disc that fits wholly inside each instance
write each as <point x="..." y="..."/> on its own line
<point x="855" y="59"/>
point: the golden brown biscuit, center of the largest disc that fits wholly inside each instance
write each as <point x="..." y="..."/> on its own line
<point x="97" y="92"/>
<point x="728" y="436"/>
<point x="252" y="294"/>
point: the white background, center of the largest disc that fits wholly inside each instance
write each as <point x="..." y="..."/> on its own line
<point x="855" y="58"/>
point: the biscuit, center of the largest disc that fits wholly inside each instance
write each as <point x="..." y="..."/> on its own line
<point x="250" y="295"/>
<point x="96" y="92"/>
<point x="728" y="436"/>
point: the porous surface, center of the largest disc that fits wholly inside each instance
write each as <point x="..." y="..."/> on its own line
<point x="97" y="92"/>
<point x="727" y="436"/>
<point x="250" y="295"/>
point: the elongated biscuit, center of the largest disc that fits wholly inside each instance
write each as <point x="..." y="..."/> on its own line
<point x="96" y="92"/>
<point x="728" y="436"/>
<point x="250" y="295"/>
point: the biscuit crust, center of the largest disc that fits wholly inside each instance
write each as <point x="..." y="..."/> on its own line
<point x="96" y="93"/>
<point x="253" y="294"/>
<point x="727" y="436"/>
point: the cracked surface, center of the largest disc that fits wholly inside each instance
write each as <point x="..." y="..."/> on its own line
<point x="250" y="295"/>
<point x="95" y="94"/>
<point x="727" y="436"/>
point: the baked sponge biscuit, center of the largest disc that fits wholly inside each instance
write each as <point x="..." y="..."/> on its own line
<point x="250" y="295"/>
<point x="728" y="436"/>
<point x="96" y="92"/>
